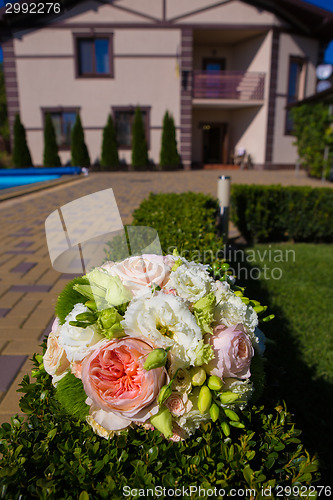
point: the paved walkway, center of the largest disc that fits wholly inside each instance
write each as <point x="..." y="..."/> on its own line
<point x="28" y="284"/>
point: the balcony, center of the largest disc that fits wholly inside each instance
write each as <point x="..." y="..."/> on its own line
<point x="231" y="85"/>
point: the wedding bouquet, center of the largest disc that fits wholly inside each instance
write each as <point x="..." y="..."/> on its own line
<point x="155" y="341"/>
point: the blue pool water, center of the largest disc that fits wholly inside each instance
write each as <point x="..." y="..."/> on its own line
<point x="10" y="181"/>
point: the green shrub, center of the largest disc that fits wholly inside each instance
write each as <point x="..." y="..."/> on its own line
<point x="140" y="159"/>
<point x="53" y="456"/>
<point x="277" y="213"/>
<point x="51" y="157"/>
<point x="79" y="150"/>
<point x="186" y="221"/>
<point x="313" y="133"/>
<point x="21" y="153"/>
<point x="169" y="157"/>
<point x="109" y="155"/>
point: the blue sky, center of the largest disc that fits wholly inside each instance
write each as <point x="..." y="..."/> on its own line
<point x="325" y="4"/>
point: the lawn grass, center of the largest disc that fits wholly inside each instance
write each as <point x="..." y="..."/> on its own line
<point x="300" y="360"/>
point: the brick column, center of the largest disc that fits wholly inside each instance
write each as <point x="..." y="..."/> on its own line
<point x="9" y="68"/>
<point x="186" y="98"/>
<point x="272" y="97"/>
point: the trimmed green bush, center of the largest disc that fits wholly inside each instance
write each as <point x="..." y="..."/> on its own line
<point x="186" y="221"/>
<point x="169" y="157"/>
<point x="79" y="150"/>
<point x="51" y="157"/>
<point x="278" y="213"/>
<point x="21" y="153"/>
<point x="109" y="155"/>
<point x="140" y="159"/>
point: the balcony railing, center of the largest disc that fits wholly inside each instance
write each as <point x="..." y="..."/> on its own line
<point x="240" y="85"/>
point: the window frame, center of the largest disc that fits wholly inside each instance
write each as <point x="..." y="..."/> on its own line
<point x="301" y="86"/>
<point x="60" y="109"/>
<point x="132" y="109"/>
<point x="93" y="36"/>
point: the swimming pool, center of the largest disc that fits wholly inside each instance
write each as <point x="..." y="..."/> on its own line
<point x="10" y="181"/>
<point x="15" y="177"/>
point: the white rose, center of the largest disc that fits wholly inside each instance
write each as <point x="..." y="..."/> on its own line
<point x="191" y="281"/>
<point x="55" y="360"/>
<point x="164" y="320"/>
<point x="76" y="341"/>
<point x="138" y="273"/>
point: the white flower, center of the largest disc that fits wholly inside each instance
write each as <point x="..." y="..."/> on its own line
<point x="164" y="320"/>
<point x="231" y="310"/>
<point x="242" y="387"/>
<point x="191" y="281"/>
<point x="77" y="341"/>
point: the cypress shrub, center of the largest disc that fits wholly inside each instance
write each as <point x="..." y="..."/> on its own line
<point x="79" y="150"/>
<point x="51" y="157"/>
<point x="140" y="159"/>
<point x="109" y="155"/>
<point x="277" y="213"/>
<point x="169" y="157"/>
<point x="21" y="153"/>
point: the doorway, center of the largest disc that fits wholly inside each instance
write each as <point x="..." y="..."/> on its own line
<point x="214" y="141"/>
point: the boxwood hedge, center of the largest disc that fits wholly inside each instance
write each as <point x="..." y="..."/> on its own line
<point x="49" y="455"/>
<point x="278" y="213"/>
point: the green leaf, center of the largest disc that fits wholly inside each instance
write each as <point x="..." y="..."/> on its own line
<point x="69" y="297"/>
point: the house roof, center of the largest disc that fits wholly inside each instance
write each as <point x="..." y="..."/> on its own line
<point x="304" y="18"/>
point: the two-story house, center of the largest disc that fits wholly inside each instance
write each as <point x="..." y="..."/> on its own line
<point x="224" y="69"/>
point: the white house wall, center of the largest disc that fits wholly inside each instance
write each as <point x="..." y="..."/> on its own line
<point x="140" y="78"/>
<point x="291" y="45"/>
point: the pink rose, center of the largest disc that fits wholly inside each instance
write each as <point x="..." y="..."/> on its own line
<point x="175" y="404"/>
<point x="233" y="352"/>
<point x="120" y="390"/>
<point x="55" y="359"/>
<point x="138" y="273"/>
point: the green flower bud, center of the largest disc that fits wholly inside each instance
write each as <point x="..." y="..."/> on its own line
<point x="225" y="428"/>
<point x="156" y="359"/>
<point x="268" y="318"/>
<point x="259" y="309"/>
<point x="214" y="411"/>
<point x="215" y="383"/>
<point x="231" y="414"/>
<point x="108" y="317"/>
<point x="198" y="375"/>
<point x="164" y="393"/>
<point x="228" y="397"/>
<point x="204" y="399"/>
<point x="91" y="304"/>
<point x="163" y="422"/>
<point x="239" y="425"/>
<point x="225" y="267"/>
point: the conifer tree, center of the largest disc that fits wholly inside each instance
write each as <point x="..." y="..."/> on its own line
<point x="169" y="156"/>
<point x="109" y="154"/>
<point x="51" y="157"/>
<point x="79" y="150"/>
<point x="139" y="144"/>
<point x="21" y="153"/>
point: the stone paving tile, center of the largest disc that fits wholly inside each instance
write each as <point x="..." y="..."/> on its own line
<point x="9" y="366"/>
<point x="28" y="295"/>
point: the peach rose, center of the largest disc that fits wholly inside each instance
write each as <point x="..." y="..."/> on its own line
<point x="119" y="390"/>
<point x="55" y="359"/>
<point x="138" y="273"/>
<point x="233" y="352"/>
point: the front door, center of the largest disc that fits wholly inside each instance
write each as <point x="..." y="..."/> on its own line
<point x="214" y="143"/>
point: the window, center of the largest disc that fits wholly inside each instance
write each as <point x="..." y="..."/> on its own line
<point x="63" y="121"/>
<point x="124" y="117"/>
<point x="296" y="86"/>
<point x="94" y="56"/>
